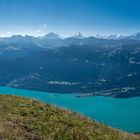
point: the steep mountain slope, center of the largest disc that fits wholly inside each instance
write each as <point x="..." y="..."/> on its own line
<point x="31" y="120"/>
<point x="76" y="64"/>
<point x="83" y="69"/>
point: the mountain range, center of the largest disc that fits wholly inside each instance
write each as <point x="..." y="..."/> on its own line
<point x="78" y="35"/>
<point x="77" y="64"/>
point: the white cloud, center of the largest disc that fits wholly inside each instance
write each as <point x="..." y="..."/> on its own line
<point x="9" y="33"/>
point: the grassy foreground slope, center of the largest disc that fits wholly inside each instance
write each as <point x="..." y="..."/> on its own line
<point x="25" y="119"/>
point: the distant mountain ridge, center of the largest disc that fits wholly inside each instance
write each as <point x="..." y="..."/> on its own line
<point x="78" y="35"/>
<point x="55" y="40"/>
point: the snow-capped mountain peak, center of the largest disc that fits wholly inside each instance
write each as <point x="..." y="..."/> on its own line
<point x="78" y="36"/>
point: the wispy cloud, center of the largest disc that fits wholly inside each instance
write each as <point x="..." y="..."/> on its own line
<point x="8" y="8"/>
<point x="9" y="33"/>
<point x="38" y="31"/>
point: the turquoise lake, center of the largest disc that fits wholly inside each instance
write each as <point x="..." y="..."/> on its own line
<point x="116" y="112"/>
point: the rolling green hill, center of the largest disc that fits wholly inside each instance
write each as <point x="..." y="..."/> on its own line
<point x="25" y="119"/>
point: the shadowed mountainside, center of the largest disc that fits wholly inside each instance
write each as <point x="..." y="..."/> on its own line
<point x="73" y="65"/>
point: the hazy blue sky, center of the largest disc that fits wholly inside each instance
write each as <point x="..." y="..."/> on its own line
<point x="37" y="17"/>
